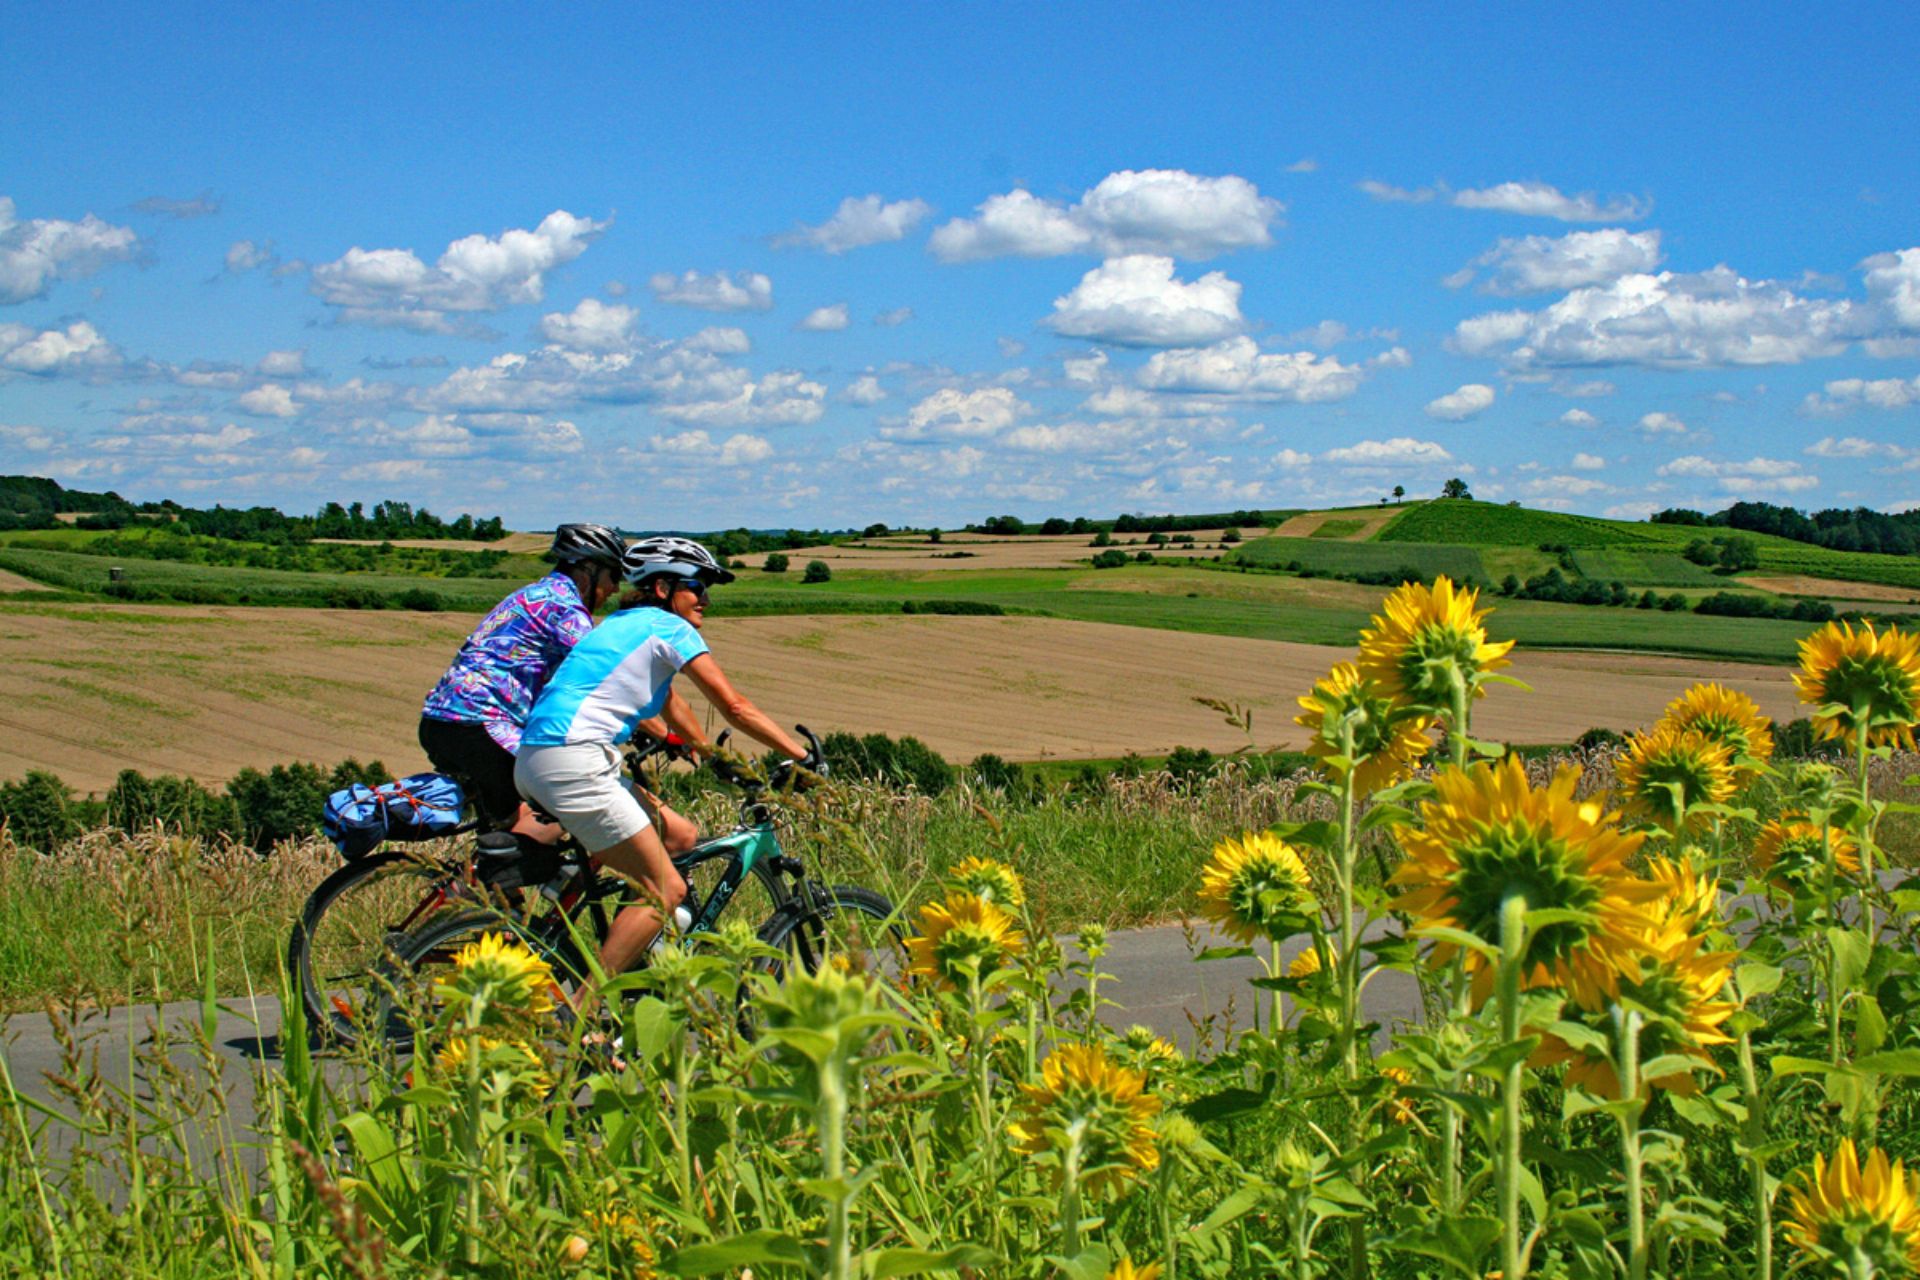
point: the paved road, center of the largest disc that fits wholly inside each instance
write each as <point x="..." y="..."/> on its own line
<point x="1153" y="981"/>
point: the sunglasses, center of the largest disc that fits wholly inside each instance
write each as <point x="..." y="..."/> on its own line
<point x="694" y="585"/>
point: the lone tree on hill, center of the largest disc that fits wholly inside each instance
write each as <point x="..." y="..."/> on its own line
<point x="1399" y="492"/>
<point x="1455" y="488"/>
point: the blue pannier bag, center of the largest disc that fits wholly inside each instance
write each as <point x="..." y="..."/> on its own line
<point x="421" y="806"/>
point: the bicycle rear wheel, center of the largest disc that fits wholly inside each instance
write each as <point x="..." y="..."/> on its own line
<point x="427" y="955"/>
<point x="350" y="924"/>
<point x="844" y="925"/>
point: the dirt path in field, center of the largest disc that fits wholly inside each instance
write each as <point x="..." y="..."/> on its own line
<point x="14" y="582"/>
<point x="1833" y="588"/>
<point x="86" y="691"/>
<point x="1307" y="523"/>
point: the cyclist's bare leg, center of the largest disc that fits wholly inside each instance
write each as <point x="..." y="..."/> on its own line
<point x="642" y="858"/>
<point x="677" y="831"/>
<point x="528" y="825"/>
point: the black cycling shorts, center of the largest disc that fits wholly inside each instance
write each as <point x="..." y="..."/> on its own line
<point x="483" y="767"/>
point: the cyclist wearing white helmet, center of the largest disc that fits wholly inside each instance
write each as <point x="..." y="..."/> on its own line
<point x="613" y="680"/>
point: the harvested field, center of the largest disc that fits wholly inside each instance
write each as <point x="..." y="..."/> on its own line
<point x="1307" y="523"/>
<point x="89" y="690"/>
<point x="917" y="555"/>
<point x="1830" y="588"/>
<point x="14" y="582"/>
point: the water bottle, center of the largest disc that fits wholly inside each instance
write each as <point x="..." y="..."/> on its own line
<point x="682" y="921"/>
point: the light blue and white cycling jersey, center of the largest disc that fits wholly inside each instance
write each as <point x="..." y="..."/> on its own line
<point x="615" y="677"/>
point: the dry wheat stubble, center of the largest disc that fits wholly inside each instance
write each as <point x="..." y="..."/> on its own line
<point x="89" y="690"/>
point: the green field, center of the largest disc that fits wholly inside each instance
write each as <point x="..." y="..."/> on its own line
<point x="1638" y="568"/>
<point x="1486" y="524"/>
<point x="1338" y="529"/>
<point x="1457" y="562"/>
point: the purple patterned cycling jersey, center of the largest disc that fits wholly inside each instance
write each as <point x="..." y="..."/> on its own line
<point x="506" y="661"/>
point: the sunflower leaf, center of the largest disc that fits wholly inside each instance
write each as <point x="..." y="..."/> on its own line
<point x="1890" y="1062"/>
<point x="1458" y="937"/>
<point x="1758" y="979"/>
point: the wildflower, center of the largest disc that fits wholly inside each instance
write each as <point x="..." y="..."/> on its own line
<point x="1400" y="1110"/>
<point x="1488" y="835"/>
<point x="988" y="878"/>
<point x="964" y="937"/>
<point x="1726" y="716"/>
<point x="1388" y="740"/>
<point x="628" y="1247"/>
<point x="1256" y="886"/>
<point x="1689" y="899"/>
<point x="509" y="1065"/>
<point x="1863" y="679"/>
<point x="1849" y="1212"/>
<point x="500" y="973"/>
<point x="1125" y="1270"/>
<point x="1674" y="985"/>
<point x="1307" y="963"/>
<point x="1792" y="853"/>
<point x="1144" y="1044"/>
<point x="1425" y="638"/>
<point x="1665" y="757"/>
<point x="1086" y="1099"/>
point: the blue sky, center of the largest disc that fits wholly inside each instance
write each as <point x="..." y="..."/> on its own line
<point x="826" y="265"/>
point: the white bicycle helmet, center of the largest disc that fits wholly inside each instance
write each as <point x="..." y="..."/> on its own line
<point x="678" y="557"/>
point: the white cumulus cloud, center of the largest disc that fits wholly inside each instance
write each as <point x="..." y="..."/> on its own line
<point x="1236" y="367"/>
<point x="1155" y="211"/>
<point x="35" y="253"/>
<point x="829" y="319"/>
<point x="1541" y="264"/>
<point x="269" y="401"/>
<point x="1136" y="301"/>
<point x="1400" y="451"/>
<point x="864" y="390"/>
<point x="1530" y="199"/>
<point x="592" y="325"/>
<point x="476" y="273"/>
<point x="717" y="291"/>
<point x="1588" y="462"/>
<point x="1703" y="320"/>
<point x="859" y="221"/>
<point x="1844" y="394"/>
<point x="783" y="398"/>
<point x="1661" y="424"/>
<point x="78" y="349"/>
<point x="1755" y="475"/>
<point x="1578" y="418"/>
<point x="1460" y="404"/>
<point x="951" y="413"/>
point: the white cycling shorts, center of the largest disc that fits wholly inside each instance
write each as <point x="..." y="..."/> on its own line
<point x="581" y="784"/>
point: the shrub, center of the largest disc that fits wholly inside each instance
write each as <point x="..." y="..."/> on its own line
<point x="1648" y="599"/>
<point x="1101" y="539"/>
<point x="774" y="563"/>
<point x="355" y="598"/>
<point x="962" y="608"/>
<point x="993" y="773"/>
<point x="420" y="600"/>
<point x="817" y="571"/>
<point x="1144" y="557"/>
<point x="1796" y="740"/>
<point x="878" y="758"/>
<point x="1230" y="535"/>
<point x="177" y="805"/>
<point x="1596" y="738"/>
<point x="1676" y="602"/>
<point x="1111" y="558"/>
<point x="1738" y="554"/>
<point x="1188" y="764"/>
<point x="38" y="811"/>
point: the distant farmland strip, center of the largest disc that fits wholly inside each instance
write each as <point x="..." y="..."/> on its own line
<point x="1364" y="557"/>
<point x="1484" y="524"/>
<point x="1639" y="568"/>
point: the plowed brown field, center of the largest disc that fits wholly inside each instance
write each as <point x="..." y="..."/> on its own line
<point x="89" y="690"/>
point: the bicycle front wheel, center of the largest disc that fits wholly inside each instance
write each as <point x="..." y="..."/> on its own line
<point x="348" y="929"/>
<point x="406" y="1000"/>
<point x="843" y="925"/>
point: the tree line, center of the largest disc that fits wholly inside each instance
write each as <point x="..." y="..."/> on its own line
<point x="35" y="502"/>
<point x="1836" y="528"/>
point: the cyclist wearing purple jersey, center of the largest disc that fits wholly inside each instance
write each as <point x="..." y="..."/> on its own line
<point x="470" y="724"/>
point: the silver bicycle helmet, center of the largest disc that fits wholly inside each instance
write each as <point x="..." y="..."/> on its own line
<point x="588" y="544"/>
<point x="679" y="557"/>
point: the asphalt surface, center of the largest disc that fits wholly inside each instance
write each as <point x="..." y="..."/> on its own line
<point x="1148" y="975"/>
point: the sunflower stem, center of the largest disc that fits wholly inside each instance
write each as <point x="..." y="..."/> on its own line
<point x="831" y="1117"/>
<point x="1070" y="1194"/>
<point x="983" y="1100"/>
<point x="475" y="1175"/>
<point x="1860" y="753"/>
<point x="1513" y="939"/>
<point x="1345" y="968"/>
<point x="1627" y="1021"/>
<point x="1831" y="957"/>
<point x="1756" y="1136"/>
<point x="1457" y="723"/>
<point x="1450" y="1116"/>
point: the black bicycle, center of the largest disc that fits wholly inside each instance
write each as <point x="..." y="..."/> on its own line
<point x="807" y="921"/>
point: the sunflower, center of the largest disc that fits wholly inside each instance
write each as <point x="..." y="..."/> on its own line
<point x="499" y="973"/>
<point x="1666" y="756"/>
<point x="1388" y="740"/>
<point x="987" y="878"/>
<point x="1849" y="674"/>
<point x="1687" y="898"/>
<point x="508" y="1064"/>
<point x="1400" y="1110"/>
<point x="1256" y="886"/>
<point x="1674" y="985"/>
<point x="1728" y="717"/>
<point x="1488" y="834"/>
<point x="1847" y="1212"/>
<point x="1792" y="853"/>
<point x="1307" y="963"/>
<point x="1125" y="1270"/>
<point x="1104" y="1107"/>
<point x="962" y="937"/>
<point x="1422" y="638"/>
<point x="1143" y="1043"/>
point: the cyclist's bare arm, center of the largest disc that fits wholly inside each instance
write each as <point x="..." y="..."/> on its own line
<point x="734" y="707"/>
<point x="679" y="716"/>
